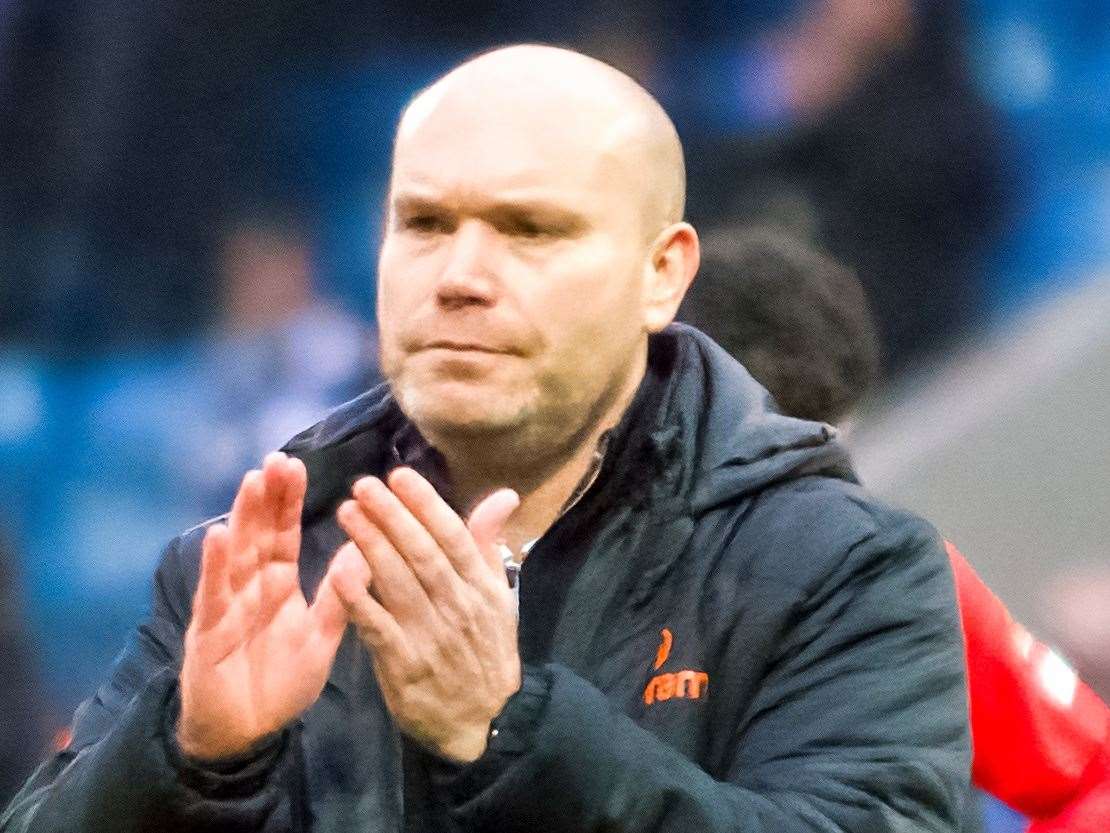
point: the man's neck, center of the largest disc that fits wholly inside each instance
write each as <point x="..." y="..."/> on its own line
<point x="542" y="505"/>
<point x="545" y="477"/>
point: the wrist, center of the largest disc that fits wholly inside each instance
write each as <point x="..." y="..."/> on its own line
<point x="511" y="733"/>
<point x="470" y="743"/>
<point x="227" y="776"/>
<point x="466" y="746"/>
<point x="194" y="746"/>
<point x="511" y="729"/>
<point x="208" y="747"/>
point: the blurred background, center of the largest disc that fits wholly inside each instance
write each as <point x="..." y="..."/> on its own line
<point x="190" y="197"/>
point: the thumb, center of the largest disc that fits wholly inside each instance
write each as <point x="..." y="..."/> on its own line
<point x="488" y="520"/>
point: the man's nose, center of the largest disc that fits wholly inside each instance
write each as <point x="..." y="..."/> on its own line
<point x="467" y="278"/>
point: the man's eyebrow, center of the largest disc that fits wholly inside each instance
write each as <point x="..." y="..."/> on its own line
<point x="540" y="211"/>
<point x="504" y="211"/>
<point x="414" y="204"/>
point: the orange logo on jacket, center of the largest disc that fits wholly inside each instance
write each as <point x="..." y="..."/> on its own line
<point x="685" y="684"/>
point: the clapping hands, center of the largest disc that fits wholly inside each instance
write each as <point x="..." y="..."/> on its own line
<point x="425" y="590"/>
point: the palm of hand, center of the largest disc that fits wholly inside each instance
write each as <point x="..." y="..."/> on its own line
<point x="256" y="654"/>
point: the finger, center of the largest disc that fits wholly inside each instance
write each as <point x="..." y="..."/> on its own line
<point x="242" y="526"/>
<point x="286" y="481"/>
<point x="348" y="558"/>
<point x="487" y="522"/>
<point x="213" y="594"/>
<point x="296" y="484"/>
<point x="441" y="522"/>
<point x="393" y="582"/>
<point x="328" y="614"/>
<point x="277" y="535"/>
<point x="423" y="554"/>
<point x="375" y="625"/>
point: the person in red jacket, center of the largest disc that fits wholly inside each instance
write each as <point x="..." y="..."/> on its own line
<point x="799" y="322"/>
<point x="1039" y="733"/>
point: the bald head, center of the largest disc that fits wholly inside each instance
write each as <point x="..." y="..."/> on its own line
<point x="559" y="97"/>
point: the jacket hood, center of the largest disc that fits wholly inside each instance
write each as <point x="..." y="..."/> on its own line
<point x="702" y="432"/>
<point x="733" y="441"/>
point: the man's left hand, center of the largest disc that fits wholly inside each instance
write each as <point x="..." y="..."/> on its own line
<point x="434" y="607"/>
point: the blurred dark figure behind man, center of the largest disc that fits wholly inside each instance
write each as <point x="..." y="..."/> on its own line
<point x="859" y="125"/>
<point x="793" y="316"/>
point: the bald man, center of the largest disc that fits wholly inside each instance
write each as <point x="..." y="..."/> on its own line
<point x="707" y="624"/>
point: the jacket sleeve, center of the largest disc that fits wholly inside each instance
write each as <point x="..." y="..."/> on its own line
<point x="860" y="724"/>
<point x="122" y="770"/>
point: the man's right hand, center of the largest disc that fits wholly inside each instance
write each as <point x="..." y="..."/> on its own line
<point x="256" y="654"/>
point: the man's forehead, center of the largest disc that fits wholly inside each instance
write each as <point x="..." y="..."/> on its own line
<point x="416" y="193"/>
<point x="519" y="158"/>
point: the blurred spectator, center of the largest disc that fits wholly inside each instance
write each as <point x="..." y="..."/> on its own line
<point x="142" y="444"/>
<point x="806" y="332"/>
<point x="856" y="123"/>
<point x="281" y="357"/>
<point x="23" y="730"/>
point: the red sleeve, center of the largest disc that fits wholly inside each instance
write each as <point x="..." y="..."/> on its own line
<point x="1090" y="813"/>
<point x="1039" y="733"/>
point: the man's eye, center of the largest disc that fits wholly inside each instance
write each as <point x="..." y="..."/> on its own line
<point x="529" y="230"/>
<point x="426" y="223"/>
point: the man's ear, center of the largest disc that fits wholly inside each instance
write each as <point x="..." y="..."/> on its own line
<point x="674" y="259"/>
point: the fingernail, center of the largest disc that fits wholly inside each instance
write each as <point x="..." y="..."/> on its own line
<point x="273" y="457"/>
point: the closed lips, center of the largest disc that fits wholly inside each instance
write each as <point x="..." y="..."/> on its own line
<point x="462" y="346"/>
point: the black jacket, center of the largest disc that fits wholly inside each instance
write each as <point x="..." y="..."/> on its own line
<point x="810" y="677"/>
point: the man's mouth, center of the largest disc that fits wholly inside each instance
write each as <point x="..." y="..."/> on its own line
<point x="464" y="347"/>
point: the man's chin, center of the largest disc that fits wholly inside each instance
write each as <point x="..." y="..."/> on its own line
<point x="459" y="409"/>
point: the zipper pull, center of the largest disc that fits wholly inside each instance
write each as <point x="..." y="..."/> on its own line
<point x="512" y="573"/>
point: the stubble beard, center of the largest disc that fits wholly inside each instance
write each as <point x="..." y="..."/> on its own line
<point x="513" y="436"/>
<point x="515" y="439"/>
<point x="440" y="417"/>
<point x="477" y="417"/>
